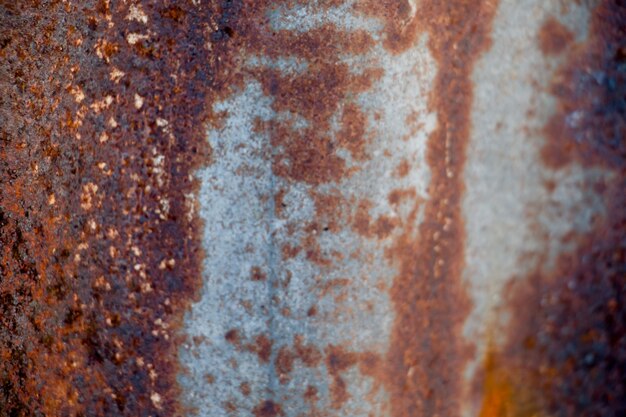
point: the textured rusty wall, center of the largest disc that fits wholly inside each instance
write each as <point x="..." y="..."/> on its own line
<point x="312" y="208"/>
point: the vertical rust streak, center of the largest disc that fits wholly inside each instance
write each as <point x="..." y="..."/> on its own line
<point x="427" y="353"/>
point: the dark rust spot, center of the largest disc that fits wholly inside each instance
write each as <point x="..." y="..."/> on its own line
<point x="590" y="123"/>
<point x="232" y="336"/>
<point x="554" y="37"/>
<point x="257" y="274"/>
<point x="268" y="408"/>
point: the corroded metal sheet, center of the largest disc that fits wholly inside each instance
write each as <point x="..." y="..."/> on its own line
<point x="312" y="208"/>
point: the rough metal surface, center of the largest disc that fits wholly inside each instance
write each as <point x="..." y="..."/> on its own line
<point x="315" y="208"/>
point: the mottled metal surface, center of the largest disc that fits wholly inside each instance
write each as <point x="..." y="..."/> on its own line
<point x="314" y="208"/>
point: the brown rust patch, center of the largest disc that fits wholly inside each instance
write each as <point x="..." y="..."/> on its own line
<point x="287" y="357"/>
<point x="101" y="127"/>
<point x="554" y="37"/>
<point x="284" y="364"/>
<point x="567" y="339"/>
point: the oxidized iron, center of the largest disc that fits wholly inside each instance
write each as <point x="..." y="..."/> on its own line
<point x="318" y="208"/>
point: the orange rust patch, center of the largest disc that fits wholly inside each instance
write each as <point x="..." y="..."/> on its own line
<point x="497" y="392"/>
<point x="401" y="21"/>
<point x="403" y="169"/>
<point x="554" y="37"/>
<point x="364" y="225"/>
<point x="352" y="135"/>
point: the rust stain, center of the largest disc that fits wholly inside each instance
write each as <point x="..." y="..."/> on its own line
<point x="503" y="393"/>
<point x="567" y="340"/>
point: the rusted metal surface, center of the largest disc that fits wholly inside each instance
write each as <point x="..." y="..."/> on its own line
<point x="102" y="109"/>
<point x="312" y="208"/>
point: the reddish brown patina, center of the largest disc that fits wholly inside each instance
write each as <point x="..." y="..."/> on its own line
<point x="101" y="115"/>
<point x="566" y="348"/>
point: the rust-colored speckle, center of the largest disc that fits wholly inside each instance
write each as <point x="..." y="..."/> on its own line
<point x="245" y="389"/>
<point x="232" y="336"/>
<point x="403" y="169"/>
<point x="554" y="37"/>
<point x="310" y="395"/>
<point x="308" y="354"/>
<point x="257" y="274"/>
